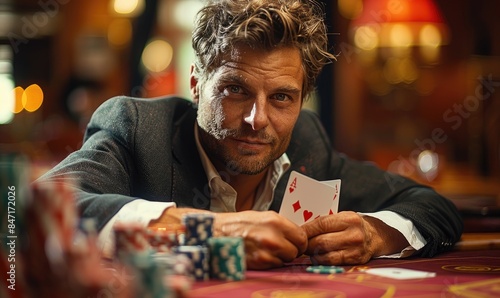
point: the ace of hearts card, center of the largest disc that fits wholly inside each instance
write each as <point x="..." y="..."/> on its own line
<point x="306" y="198"/>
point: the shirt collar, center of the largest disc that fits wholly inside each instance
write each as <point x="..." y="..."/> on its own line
<point x="224" y="196"/>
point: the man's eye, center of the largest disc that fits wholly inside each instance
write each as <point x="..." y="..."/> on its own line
<point x="234" y="89"/>
<point x="281" y="97"/>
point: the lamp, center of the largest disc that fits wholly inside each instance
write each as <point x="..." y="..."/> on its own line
<point x="400" y="24"/>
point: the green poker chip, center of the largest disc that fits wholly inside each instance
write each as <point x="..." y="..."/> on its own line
<point x="325" y="269"/>
<point x="227" y="258"/>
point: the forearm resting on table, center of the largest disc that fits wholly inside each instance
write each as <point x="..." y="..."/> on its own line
<point x="385" y="240"/>
<point x="173" y="215"/>
<point x="138" y="211"/>
<point x="402" y="227"/>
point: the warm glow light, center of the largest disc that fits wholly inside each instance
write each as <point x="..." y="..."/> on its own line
<point x="18" y="100"/>
<point x="157" y="55"/>
<point x="428" y="164"/>
<point x="408" y="69"/>
<point x="401" y="36"/>
<point x="430" y="36"/>
<point x="6" y="99"/>
<point x="32" y="98"/>
<point x="366" y="38"/>
<point x="120" y="32"/>
<point x="350" y="9"/>
<point x="185" y="12"/>
<point x="128" y="7"/>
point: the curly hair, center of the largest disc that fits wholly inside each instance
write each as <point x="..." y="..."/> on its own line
<point x="223" y="24"/>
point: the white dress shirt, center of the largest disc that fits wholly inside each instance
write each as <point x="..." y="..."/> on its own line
<point x="224" y="200"/>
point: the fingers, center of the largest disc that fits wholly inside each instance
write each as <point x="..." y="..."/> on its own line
<point x="294" y="234"/>
<point x="270" y="239"/>
<point x="340" y="257"/>
<point x="273" y="242"/>
<point x="328" y="224"/>
<point x="338" y="239"/>
<point x="259" y="259"/>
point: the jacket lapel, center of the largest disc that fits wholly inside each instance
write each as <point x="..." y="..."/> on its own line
<point x="189" y="181"/>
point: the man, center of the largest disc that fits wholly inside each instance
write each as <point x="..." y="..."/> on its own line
<point x="232" y="151"/>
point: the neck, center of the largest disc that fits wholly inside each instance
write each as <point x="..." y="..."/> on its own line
<point x="246" y="187"/>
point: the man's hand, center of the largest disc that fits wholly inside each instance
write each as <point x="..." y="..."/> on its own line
<point x="350" y="238"/>
<point x="270" y="239"/>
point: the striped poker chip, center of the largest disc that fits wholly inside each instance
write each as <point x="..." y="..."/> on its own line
<point x="199" y="227"/>
<point x="325" y="269"/>
<point x="199" y="256"/>
<point x="162" y="240"/>
<point x="227" y="258"/>
<point x="130" y="238"/>
<point x="174" y="264"/>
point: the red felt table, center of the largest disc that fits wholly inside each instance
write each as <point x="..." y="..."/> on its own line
<point x="458" y="274"/>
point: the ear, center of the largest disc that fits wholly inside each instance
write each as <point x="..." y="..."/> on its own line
<point x="193" y="85"/>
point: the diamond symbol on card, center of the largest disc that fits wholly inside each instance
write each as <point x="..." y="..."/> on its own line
<point x="296" y="206"/>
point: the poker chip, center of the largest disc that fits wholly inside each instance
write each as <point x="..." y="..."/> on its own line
<point x="174" y="264"/>
<point x="130" y="239"/>
<point x="150" y="282"/>
<point x="199" y="256"/>
<point x="325" y="269"/>
<point x="227" y="258"/>
<point x="198" y="227"/>
<point x="162" y="240"/>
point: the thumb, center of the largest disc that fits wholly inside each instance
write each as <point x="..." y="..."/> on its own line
<point x="315" y="227"/>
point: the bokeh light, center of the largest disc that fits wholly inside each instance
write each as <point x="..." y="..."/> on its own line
<point x="6" y="99"/>
<point x="128" y="7"/>
<point x="32" y="98"/>
<point x="157" y="55"/>
<point x="18" y="100"/>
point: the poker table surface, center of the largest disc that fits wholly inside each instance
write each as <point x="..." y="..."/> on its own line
<point x="459" y="273"/>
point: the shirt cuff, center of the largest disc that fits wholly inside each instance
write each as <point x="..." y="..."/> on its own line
<point x="138" y="211"/>
<point x="405" y="227"/>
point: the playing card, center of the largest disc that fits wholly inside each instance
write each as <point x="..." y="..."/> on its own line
<point x="400" y="273"/>
<point x="306" y="198"/>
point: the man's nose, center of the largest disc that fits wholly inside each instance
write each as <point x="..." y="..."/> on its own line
<point x="257" y="117"/>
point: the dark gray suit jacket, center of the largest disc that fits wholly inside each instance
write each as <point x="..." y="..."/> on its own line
<point x="145" y="148"/>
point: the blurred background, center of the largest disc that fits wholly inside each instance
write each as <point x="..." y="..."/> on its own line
<point x="415" y="89"/>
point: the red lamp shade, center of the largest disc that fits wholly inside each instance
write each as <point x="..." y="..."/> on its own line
<point x="399" y="11"/>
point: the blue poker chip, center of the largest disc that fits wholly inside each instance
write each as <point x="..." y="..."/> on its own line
<point x="199" y="228"/>
<point x="325" y="269"/>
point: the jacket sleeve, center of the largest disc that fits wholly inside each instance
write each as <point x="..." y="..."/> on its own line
<point x="100" y="172"/>
<point x="367" y="188"/>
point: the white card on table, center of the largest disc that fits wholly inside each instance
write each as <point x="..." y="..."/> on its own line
<point x="306" y="198"/>
<point x="400" y="273"/>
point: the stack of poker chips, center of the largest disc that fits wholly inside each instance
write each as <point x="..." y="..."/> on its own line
<point x="186" y="250"/>
<point x="220" y="258"/>
<point x="198" y="229"/>
<point x="164" y="238"/>
<point x="59" y="261"/>
<point x="149" y="252"/>
<point x="130" y="239"/>
<point x="227" y="258"/>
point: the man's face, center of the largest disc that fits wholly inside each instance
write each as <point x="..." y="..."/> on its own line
<point x="248" y="106"/>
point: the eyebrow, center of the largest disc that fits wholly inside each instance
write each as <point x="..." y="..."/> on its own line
<point x="240" y="81"/>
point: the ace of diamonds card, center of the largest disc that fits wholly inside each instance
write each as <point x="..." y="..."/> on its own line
<point x="306" y="198"/>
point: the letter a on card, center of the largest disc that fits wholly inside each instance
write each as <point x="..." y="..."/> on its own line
<point x="307" y="198"/>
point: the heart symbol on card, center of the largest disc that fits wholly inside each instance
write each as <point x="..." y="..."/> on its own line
<point x="307" y="214"/>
